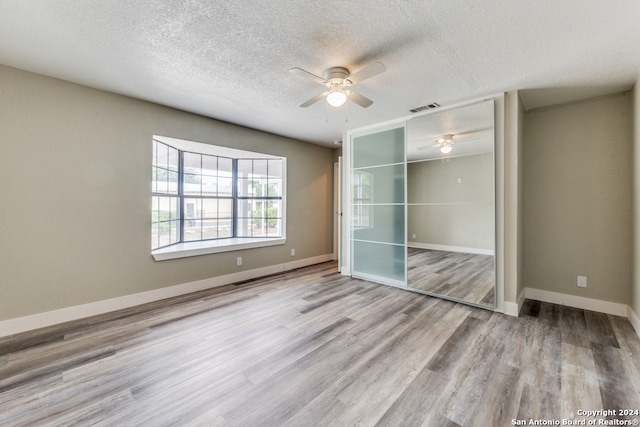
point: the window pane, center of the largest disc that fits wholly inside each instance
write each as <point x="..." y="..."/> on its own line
<point x="209" y="165"/>
<point x="192" y="162"/>
<point x="174" y="159"/>
<point x="243" y="187"/>
<point x="175" y="231"/>
<point x="160" y="184"/>
<point x="175" y="213"/>
<point x="172" y="179"/>
<point x="164" y="209"/>
<point x="225" y="208"/>
<point x="257" y="187"/>
<point x="154" y="209"/>
<point x="224" y="228"/>
<point x="154" y="235"/>
<point x="164" y="221"/>
<point x="209" y="185"/>
<point x="275" y="168"/>
<point x="274" y="228"/>
<point x="245" y="168"/>
<point x="162" y="155"/>
<point x="258" y="227"/>
<point x="225" y="186"/>
<point x="165" y="233"/>
<point x="274" y="188"/>
<point x="192" y="209"/>
<point x="192" y="184"/>
<point x="154" y="178"/>
<point x="243" y="227"/>
<point x="209" y="208"/>
<point x="209" y="229"/>
<point x="224" y="166"/>
<point x="192" y="230"/>
<point x="260" y="167"/>
<point x="244" y="208"/>
<point x="274" y="209"/>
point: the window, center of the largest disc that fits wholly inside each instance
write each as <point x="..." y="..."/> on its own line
<point x="214" y="196"/>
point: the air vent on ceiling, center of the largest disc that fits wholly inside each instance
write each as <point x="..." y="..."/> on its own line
<point x="425" y="107"/>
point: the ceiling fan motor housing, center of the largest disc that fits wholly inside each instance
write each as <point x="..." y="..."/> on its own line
<point x="337" y="76"/>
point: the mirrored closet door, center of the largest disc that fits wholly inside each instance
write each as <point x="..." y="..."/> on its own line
<point x="450" y="204"/>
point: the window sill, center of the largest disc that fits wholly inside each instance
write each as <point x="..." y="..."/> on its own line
<point x="189" y="249"/>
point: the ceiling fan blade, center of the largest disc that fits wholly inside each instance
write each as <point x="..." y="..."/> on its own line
<point x="315" y="99"/>
<point x="362" y="101"/>
<point x="304" y="73"/>
<point x="427" y="147"/>
<point x="365" y="73"/>
<point x="466" y="139"/>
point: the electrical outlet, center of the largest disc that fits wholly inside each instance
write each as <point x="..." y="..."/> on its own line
<point x="582" y="281"/>
<point x="413" y="236"/>
<point x="293" y="252"/>
<point x="239" y="261"/>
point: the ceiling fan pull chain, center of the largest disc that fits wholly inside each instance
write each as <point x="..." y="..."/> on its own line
<point x="326" y="113"/>
<point x="346" y="112"/>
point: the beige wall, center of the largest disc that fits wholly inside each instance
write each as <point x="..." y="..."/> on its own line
<point x="577" y="198"/>
<point x="75" y="170"/>
<point x="635" y="303"/>
<point x="458" y="214"/>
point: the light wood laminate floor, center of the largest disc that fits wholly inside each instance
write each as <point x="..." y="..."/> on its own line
<point x="461" y="276"/>
<point x="312" y="347"/>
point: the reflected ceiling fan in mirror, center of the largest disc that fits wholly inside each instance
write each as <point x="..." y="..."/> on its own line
<point x="446" y="142"/>
<point x="338" y="81"/>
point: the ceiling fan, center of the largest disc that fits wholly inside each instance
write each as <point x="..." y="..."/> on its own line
<point x="338" y="80"/>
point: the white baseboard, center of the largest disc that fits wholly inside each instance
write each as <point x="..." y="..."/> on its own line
<point x="513" y="308"/>
<point x="600" y="306"/>
<point x="635" y="321"/>
<point x="67" y="314"/>
<point x="463" y="249"/>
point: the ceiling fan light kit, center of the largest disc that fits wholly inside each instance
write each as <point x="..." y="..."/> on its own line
<point x="336" y="97"/>
<point x="446" y="149"/>
<point x="446" y="143"/>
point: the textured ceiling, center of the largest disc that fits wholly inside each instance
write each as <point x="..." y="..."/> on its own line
<point x="230" y="59"/>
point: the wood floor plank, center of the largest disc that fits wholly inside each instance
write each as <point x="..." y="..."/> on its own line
<point x="579" y="378"/>
<point x="616" y="389"/>
<point x="550" y="314"/>
<point x="600" y="329"/>
<point x="493" y="408"/>
<point x="574" y="327"/>
<point x="414" y="404"/>
<point x="537" y="404"/>
<point x="629" y="345"/>
<point x="312" y="347"/>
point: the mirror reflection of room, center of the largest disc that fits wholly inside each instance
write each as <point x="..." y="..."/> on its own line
<point x="450" y="194"/>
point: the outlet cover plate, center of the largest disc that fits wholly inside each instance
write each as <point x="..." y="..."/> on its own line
<point x="582" y="281"/>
